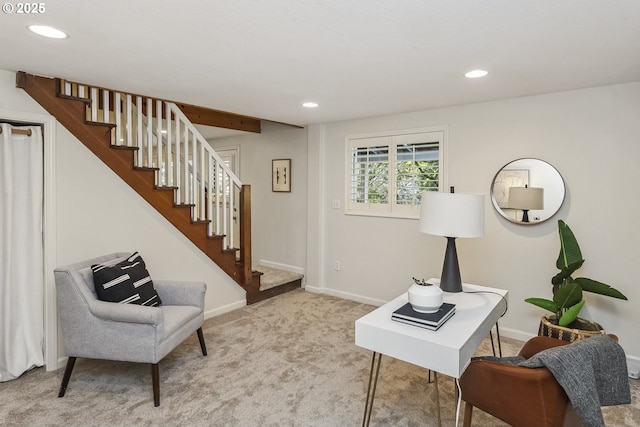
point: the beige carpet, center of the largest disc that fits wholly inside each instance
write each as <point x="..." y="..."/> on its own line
<point x="287" y="361"/>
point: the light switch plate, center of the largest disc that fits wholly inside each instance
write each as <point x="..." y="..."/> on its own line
<point x="634" y="371"/>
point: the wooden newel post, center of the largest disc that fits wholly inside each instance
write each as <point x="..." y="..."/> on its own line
<point x="245" y="233"/>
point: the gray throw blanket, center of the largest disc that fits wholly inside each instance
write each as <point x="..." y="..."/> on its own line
<point x="593" y="373"/>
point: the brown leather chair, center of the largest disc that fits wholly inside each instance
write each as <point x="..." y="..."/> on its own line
<point x="517" y="395"/>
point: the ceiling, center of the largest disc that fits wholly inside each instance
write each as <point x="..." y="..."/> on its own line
<point x="356" y="58"/>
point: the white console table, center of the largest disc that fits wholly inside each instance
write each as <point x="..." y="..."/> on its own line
<point x="447" y="350"/>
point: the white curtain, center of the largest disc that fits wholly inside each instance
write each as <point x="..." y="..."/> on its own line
<point x="21" y="252"/>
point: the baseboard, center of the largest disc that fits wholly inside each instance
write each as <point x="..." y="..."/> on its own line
<point x="346" y="295"/>
<point x="225" y="309"/>
<point x="515" y="334"/>
<point x="280" y="266"/>
<point x="62" y="362"/>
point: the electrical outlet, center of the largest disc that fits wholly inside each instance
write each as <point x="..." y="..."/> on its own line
<point x="634" y="371"/>
<point x="335" y="204"/>
<point x="336" y="265"/>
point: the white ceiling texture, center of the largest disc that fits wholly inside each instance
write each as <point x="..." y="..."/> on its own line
<point x="355" y="58"/>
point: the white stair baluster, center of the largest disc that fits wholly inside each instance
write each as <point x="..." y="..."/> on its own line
<point x="117" y="110"/>
<point x="159" y="162"/>
<point x="129" y="121"/>
<point x="94" y="104"/>
<point x="169" y="165"/>
<point x="138" y="141"/>
<point x="203" y="177"/>
<point x="210" y="188"/>
<point x="177" y="162"/>
<point x="187" y="168"/>
<point x="218" y="194"/>
<point x="149" y="144"/>
<point x="195" y="174"/>
<point x="105" y="106"/>
<point x="225" y="219"/>
<point x="231" y="213"/>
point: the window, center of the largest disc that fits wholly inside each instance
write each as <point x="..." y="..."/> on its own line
<point x="387" y="173"/>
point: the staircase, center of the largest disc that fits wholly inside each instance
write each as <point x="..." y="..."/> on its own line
<point x="151" y="144"/>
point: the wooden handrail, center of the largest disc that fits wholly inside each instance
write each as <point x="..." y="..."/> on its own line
<point x="200" y="115"/>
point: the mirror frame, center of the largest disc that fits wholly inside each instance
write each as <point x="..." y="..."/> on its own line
<point x="558" y="182"/>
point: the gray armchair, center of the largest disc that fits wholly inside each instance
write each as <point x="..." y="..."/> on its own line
<point x="97" y="329"/>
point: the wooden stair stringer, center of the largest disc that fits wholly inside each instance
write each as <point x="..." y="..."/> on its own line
<point x="70" y="112"/>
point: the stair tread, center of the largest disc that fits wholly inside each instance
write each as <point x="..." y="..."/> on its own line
<point x="74" y="98"/>
<point x="123" y="147"/>
<point x="93" y="123"/>
<point x="201" y="221"/>
<point x="272" y="277"/>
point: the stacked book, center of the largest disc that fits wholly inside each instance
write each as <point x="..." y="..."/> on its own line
<point x="433" y="321"/>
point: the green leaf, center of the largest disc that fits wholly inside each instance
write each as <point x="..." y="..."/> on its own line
<point x="596" y="287"/>
<point x="567" y="295"/>
<point x="544" y="303"/>
<point x="566" y="272"/>
<point x="571" y="314"/>
<point x="569" y="248"/>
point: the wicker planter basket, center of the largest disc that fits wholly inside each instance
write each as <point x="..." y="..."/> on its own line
<point x="578" y="330"/>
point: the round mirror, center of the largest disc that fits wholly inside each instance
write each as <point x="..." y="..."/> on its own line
<point x="527" y="191"/>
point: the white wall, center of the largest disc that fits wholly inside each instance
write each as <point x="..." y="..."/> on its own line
<point x="591" y="136"/>
<point x="279" y="220"/>
<point x="97" y="213"/>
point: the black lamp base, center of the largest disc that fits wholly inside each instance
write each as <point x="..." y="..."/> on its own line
<point x="450" y="280"/>
<point x="525" y="215"/>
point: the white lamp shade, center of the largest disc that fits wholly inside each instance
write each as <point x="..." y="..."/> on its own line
<point x="529" y="198"/>
<point x="452" y="214"/>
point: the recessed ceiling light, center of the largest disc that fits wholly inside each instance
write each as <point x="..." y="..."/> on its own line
<point x="310" y="104"/>
<point x="474" y="74"/>
<point x="46" y="31"/>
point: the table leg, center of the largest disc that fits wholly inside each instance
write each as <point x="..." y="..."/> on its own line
<point x="499" y="343"/>
<point x="371" y="388"/>
<point x="493" y="346"/>
<point x="435" y="376"/>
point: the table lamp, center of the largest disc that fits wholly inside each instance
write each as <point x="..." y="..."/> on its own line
<point x="452" y="215"/>
<point x="526" y="198"/>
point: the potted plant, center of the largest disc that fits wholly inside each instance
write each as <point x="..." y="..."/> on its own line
<point x="567" y="301"/>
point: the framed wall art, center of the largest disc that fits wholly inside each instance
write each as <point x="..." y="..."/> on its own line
<point x="281" y="175"/>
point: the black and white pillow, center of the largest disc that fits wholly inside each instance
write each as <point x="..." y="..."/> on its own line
<point x="127" y="282"/>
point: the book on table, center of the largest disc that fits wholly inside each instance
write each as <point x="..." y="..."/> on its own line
<point x="433" y="321"/>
